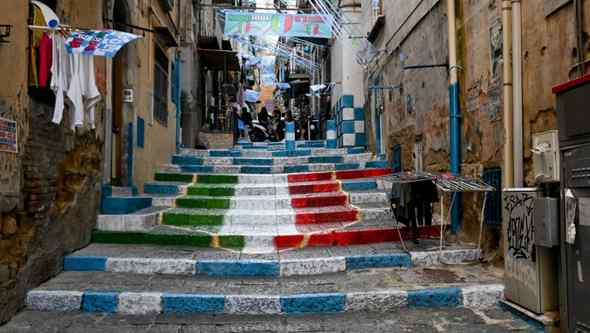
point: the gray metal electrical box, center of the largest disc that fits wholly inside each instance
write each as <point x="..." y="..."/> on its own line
<point x="546" y="220"/>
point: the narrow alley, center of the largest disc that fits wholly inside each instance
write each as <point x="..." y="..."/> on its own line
<point x="294" y="166"/>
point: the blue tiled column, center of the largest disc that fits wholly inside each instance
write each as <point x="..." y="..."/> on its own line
<point x="331" y="134"/>
<point x="290" y="136"/>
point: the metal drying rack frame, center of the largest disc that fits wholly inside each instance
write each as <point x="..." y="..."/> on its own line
<point x="446" y="183"/>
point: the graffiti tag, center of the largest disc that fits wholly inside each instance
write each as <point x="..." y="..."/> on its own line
<point x="521" y="229"/>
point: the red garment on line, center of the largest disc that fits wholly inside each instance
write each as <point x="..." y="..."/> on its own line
<point x="45" y="45"/>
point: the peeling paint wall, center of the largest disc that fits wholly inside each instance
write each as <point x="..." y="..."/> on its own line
<point x="418" y="110"/>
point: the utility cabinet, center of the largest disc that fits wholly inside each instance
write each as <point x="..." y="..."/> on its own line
<point x="573" y="106"/>
<point x="530" y="274"/>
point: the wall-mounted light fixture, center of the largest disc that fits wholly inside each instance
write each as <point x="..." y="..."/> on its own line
<point x="4" y="32"/>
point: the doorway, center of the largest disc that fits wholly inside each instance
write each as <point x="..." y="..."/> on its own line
<point x="120" y="18"/>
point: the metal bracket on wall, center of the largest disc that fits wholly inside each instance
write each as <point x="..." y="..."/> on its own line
<point x="426" y="66"/>
<point x="396" y="87"/>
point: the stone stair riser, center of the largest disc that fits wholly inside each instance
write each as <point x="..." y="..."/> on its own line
<point x="266" y="268"/>
<point x="151" y="303"/>
<point x="351" y="237"/>
<point x="269" y="170"/>
<point x="199" y="241"/>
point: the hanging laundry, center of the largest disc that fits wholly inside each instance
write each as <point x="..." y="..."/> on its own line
<point x="59" y="76"/>
<point x="89" y="89"/>
<point x="36" y="35"/>
<point x="45" y="58"/>
<point x="75" y="93"/>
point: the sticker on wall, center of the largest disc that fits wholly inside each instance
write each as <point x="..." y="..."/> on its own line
<point x="8" y="136"/>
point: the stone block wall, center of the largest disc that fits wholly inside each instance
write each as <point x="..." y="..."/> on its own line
<point x="50" y="189"/>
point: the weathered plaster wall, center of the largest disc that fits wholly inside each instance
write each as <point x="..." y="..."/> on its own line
<point x="160" y="140"/>
<point x="549" y="54"/>
<point x="418" y="111"/>
<point x="54" y="179"/>
<point x="479" y="34"/>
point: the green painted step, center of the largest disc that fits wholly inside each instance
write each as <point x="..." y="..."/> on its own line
<point x="107" y="237"/>
<point x="203" y="203"/>
<point x="217" y="179"/>
<point x="194" y="218"/>
<point x="204" y="190"/>
<point x="174" y="177"/>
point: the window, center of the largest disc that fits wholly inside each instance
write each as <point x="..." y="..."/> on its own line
<point x="493" y="209"/>
<point x="161" y="87"/>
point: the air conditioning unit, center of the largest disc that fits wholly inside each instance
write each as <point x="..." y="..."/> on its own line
<point x="546" y="156"/>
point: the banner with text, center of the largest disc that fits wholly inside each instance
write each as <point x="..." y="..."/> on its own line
<point x="272" y="24"/>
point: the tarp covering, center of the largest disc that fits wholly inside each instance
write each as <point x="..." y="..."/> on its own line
<point x="276" y="24"/>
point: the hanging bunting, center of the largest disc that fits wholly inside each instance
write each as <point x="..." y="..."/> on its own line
<point x="102" y="43"/>
<point x="274" y="24"/>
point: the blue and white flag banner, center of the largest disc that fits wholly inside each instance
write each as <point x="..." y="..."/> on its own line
<point x="101" y="43"/>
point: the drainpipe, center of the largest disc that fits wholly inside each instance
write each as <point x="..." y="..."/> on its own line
<point x="517" y="86"/>
<point x="454" y="111"/>
<point x="579" y="9"/>
<point x="508" y="175"/>
<point x="178" y="96"/>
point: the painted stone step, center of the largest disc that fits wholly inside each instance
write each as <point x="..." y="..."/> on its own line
<point x="118" y="191"/>
<point x="248" y="217"/>
<point x="141" y="220"/>
<point x="322" y="199"/>
<point x="379" y="291"/>
<point x="226" y="264"/>
<point x="175" y="176"/>
<point x="351" y="236"/>
<point x="194" y="178"/>
<point x="187" y="160"/>
<point x="165" y="188"/>
<point x="270" y="169"/>
<point x="274" y="153"/>
<point x="124" y="205"/>
<point x="269" y="189"/>
<point x="269" y="161"/>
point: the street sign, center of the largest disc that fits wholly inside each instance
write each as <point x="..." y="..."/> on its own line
<point x="8" y="136"/>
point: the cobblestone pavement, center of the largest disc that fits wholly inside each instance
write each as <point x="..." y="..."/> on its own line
<point x="423" y="320"/>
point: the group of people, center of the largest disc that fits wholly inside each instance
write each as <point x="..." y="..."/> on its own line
<point x="271" y="127"/>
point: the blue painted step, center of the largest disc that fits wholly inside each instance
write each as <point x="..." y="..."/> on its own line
<point x="377" y="164"/>
<point x="186" y="160"/>
<point x="124" y="205"/>
<point x="197" y="168"/>
<point x="162" y="188"/>
<point x="253" y="161"/>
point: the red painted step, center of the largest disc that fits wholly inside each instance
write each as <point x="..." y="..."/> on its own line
<point x="326" y="215"/>
<point x="314" y="187"/>
<point x="332" y="175"/>
<point x="353" y="237"/>
<point x="319" y="200"/>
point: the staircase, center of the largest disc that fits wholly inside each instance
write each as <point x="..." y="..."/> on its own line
<point x="261" y="230"/>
